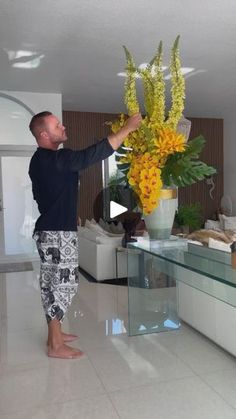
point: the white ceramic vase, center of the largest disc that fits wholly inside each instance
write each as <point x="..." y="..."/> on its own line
<point x="160" y="222"/>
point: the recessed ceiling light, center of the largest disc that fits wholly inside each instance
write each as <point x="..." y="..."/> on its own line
<point x="185" y="71"/>
<point x="24" y="59"/>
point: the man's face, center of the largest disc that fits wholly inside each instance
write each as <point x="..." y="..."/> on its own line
<point x="54" y="129"/>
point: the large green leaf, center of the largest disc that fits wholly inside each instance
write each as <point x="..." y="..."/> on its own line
<point x="117" y="180"/>
<point x="195" y="146"/>
<point x="185" y="172"/>
<point x="118" y="158"/>
<point x="123" y="166"/>
<point x="184" y="169"/>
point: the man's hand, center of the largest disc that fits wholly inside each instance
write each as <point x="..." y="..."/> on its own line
<point x="132" y="123"/>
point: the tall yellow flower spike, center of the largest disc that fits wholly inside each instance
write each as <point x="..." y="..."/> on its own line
<point x="158" y="109"/>
<point x="130" y="86"/>
<point x="154" y="88"/>
<point x="177" y="88"/>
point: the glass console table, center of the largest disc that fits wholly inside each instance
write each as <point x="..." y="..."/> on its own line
<point x="169" y="280"/>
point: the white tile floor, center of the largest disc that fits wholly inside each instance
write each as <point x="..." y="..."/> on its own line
<point x="170" y="375"/>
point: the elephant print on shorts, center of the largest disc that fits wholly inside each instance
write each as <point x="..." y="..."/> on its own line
<point x="65" y="275"/>
<point x="58" y="279"/>
<point x="74" y="241"/>
<point x="55" y="253"/>
<point x="57" y="311"/>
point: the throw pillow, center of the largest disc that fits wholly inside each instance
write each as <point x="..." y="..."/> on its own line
<point x="222" y="221"/>
<point x="104" y="225"/>
<point x="212" y="225"/>
<point x="229" y="223"/>
<point x="87" y="223"/>
<point x="111" y="228"/>
<point x="116" y="229"/>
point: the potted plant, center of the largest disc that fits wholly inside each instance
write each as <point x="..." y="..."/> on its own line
<point x="188" y="218"/>
<point x="156" y="159"/>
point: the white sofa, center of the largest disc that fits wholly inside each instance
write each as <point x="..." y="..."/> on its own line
<point x="98" y="254"/>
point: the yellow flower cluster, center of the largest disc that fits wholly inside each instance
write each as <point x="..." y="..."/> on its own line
<point x="145" y="178"/>
<point x="145" y="168"/>
<point x="168" y="142"/>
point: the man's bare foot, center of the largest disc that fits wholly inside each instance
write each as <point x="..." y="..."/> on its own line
<point x="66" y="337"/>
<point x="64" y="352"/>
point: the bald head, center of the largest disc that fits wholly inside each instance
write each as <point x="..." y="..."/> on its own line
<point x="48" y="130"/>
<point x="37" y="123"/>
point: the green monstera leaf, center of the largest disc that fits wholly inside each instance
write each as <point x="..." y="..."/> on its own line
<point x="183" y="169"/>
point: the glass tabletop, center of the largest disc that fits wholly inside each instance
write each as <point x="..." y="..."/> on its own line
<point x="212" y="263"/>
<point x="160" y="272"/>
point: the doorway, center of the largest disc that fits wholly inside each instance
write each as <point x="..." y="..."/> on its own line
<point x="18" y="211"/>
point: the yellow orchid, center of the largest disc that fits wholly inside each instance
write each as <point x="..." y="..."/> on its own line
<point x="169" y="142"/>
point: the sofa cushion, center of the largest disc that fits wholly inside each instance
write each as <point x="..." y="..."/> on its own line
<point x="90" y="235"/>
<point x="109" y="240"/>
<point x="98" y="238"/>
<point x="115" y="235"/>
<point x="95" y="227"/>
<point x="80" y="231"/>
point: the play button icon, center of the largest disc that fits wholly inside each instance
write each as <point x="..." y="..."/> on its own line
<point x="116" y="209"/>
<point x="112" y="201"/>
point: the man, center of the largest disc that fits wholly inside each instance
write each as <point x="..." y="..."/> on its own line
<point x="54" y="174"/>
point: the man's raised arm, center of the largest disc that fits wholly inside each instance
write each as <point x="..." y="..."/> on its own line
<point x="132" y="123"/>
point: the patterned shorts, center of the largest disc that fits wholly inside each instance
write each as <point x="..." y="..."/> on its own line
<point x="59" y="276"/>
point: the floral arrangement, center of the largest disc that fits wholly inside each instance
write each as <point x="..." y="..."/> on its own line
<point x="157" y="155"/>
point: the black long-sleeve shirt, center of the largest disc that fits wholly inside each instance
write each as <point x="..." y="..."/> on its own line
<point x="54" y="176"/>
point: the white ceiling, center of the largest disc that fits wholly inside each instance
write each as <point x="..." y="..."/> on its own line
<point x="81" y="44"/>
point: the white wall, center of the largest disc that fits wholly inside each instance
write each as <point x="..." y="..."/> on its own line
<point x="16" y="148"/>
<point x="39" y="102"/>
<point x="230" y="156"/>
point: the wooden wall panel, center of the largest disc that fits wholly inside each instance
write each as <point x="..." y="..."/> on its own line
<point x="85" y="128"/>
<point x="212" y="154"/>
